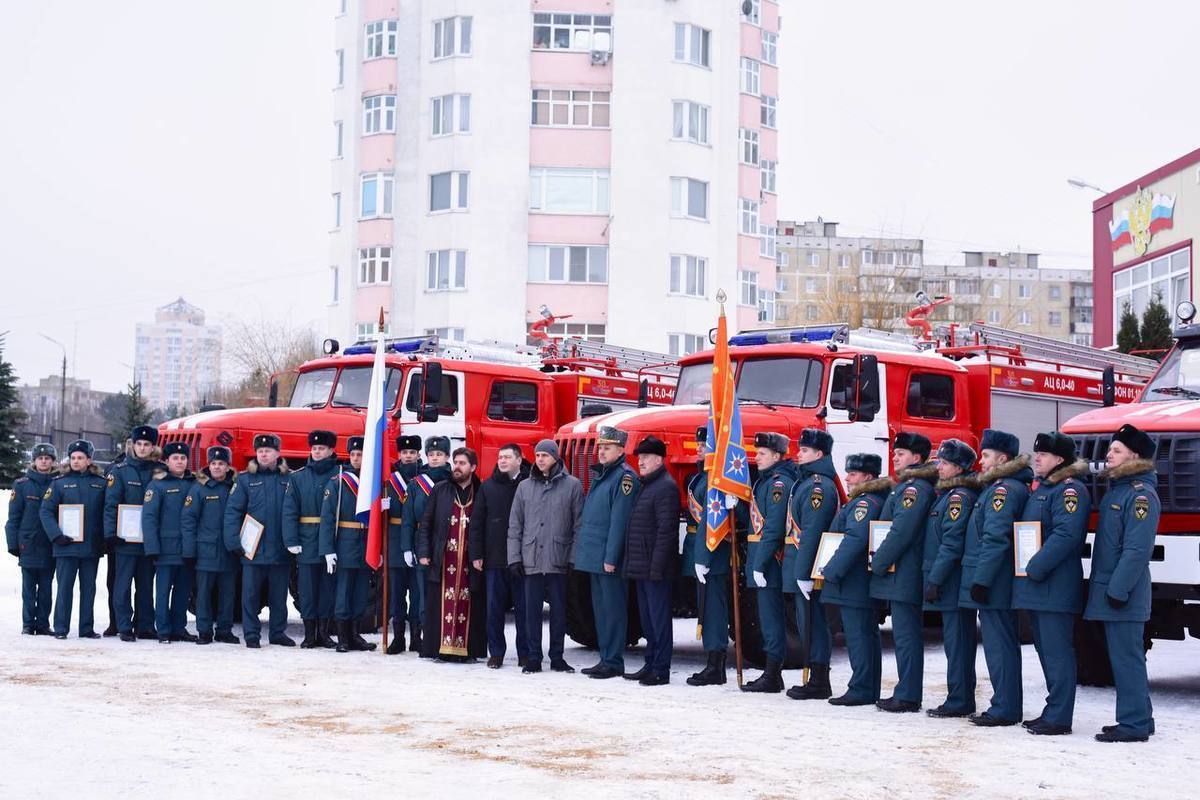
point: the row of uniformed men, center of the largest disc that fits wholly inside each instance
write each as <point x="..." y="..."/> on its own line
<point x="950" y="549"/>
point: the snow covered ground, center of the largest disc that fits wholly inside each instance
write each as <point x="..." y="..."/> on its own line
<point x="150" y="720"/>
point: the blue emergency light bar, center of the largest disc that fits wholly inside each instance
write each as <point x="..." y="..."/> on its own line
<point x="415" y="344"/>
<point x="804" y="335"/>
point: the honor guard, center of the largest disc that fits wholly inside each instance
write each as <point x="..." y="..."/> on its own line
<point x="301" y="525"/>
<point x="403" y="588"/>
<point x="203" y="540"/>
<point x="343" y="548"/>
<point x="437" y="470"/>
<point x="27" y="541"/>
<point x="162" y="525"/>
<point x="133" y="581"/>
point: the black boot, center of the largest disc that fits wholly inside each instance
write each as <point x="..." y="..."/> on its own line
<point x="343" y="634"/>
<point x="770" y="681"/>
<point x="359" y="642"/>
<point x="713" y="673"/>
<point x="310" y="635"/>
<point x="414" y="640"/>
<point x="816" y="688"/>
<point x="324" y="626"/>
<point x="396" y="645"/>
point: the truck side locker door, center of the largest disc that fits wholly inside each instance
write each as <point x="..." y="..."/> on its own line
<point x="854" y="437"/>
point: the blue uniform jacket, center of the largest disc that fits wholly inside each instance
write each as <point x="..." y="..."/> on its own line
<point x="162" y="517"/>
<point x="25" y="536"/>
<point x="203" y="521"/>
<point x="697" y="487"/>
<point x="413" y="511"/>
<point x="348" y="543"/>
<point x="847" y="581"/>
<point x="396" y="486"/>
<point x="718" y="560"/>
<point x="811" y="508"/>
<point x="76" y="488"/>
<point x="988" y="552"/>
<point x="1124" y="541"/>
<point x="908" y="508"/>
<point x="258" y="493"/>
<point x="946" y="536"/>
<point x="1055" y="573"/>
<point x="606" y="510"/>
<point x="768" y="524"/>
<point x="127" y="485"/>
<point x="302" y="507"/>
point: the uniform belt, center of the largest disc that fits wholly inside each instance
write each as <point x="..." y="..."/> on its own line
<point x="310" y="520"/>
<point x="358" y="526"/>
<point x="395" y="521"/>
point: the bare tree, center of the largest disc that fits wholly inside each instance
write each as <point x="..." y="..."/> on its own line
<point x="260" y="349"/>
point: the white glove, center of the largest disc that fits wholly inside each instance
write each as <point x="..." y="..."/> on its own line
<point x="331" y="563"/>
<point x="806" y="588"/>
<point x="295" y="550"/>
<point x="730" y="501"/>
<point x="408" y="557"/>
<point x="760" y="580"/>
<point x="701" y="572"/>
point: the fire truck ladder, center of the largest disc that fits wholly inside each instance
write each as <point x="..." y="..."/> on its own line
<point x="1043" y="347"/>
<point x="611" y="356"/>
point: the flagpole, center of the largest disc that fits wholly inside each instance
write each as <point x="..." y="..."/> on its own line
<point x="737" y="606"/>
<point x="725" y="415"/>
<point x="384" y="519"/>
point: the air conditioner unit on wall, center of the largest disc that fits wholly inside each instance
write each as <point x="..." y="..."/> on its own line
<point x="600" y="57"/>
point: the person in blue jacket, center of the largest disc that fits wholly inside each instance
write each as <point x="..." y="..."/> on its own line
<point x="82" y="485"/>
<point x="403" y="587"/>
<point x="896" y="565"/>
<point x="258" y="493"/>
<point x="945" y="536"/>
<point x="204" y="541"/>
<point x="27" y="542"/>
<point x="600" y="545"/>
<point x="988" y="569"/>
<point x="162" y="527"/>
<point x="847" y="581"/>
<point x="1119" y="585"/>
<point x="811" y="508"/>
<point x="301" y="524"/>
<point x="343" y="546"/>
<point x="133" y="580"/>
<point x="764" y="553"/>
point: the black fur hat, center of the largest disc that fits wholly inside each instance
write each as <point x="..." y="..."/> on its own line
<point x="267" y="440"/>
<point x="44" y="449"/>
<point x="1056" y="443"/>
<point x="438" y="443"/>
<point x="144" y="433"/>
<point x="1000" y="441"/>
<point x="817" y="439"/>
<point x="651" y="446"/>
<point x="356" y="443"/>
<point x="957" y="452"/>
<point x="869" y="463"/>
<point x="1136" y="440"/>
<point x="176" y="448"/>
<point x="408" y="443"/>
<point x="771" y="441"/>
<point x="327" y="438"/>
<point x="219" y="453"/>
<point x="915" y="443"/>
<point x="82" y="446"/>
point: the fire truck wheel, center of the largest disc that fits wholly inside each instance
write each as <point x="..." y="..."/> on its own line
<point x="1091" y="654"/>
<point x="581" y="623"/>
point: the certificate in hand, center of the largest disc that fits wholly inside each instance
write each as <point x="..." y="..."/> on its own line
<point x="251" y="535"/>
<point x="129" y="523"/>
<point x="1027" y="540"/>
<point x="880" y="529"/>
<point x="830" y="540"/>
<point x="70" y="520"/>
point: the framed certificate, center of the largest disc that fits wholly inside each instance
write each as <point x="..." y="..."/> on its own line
<point x="129" y="523"/>
<point x="250" y="536"/>
<point x="830" y="541"/>
<point x="70" y="520"/>
<point x="880" y="529"/>
<point x="1027" y="540"/>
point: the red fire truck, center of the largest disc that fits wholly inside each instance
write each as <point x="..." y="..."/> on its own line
<point x="864" y="386"/>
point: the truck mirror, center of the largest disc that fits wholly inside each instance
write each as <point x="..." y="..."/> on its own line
<point x="643" y="394"/>
<point x="864" y="388"/>
<point x="1108" y="387"/>
<point x="273" y="393"/>
<point x="431" y="385"/>
<point x="428" y="413"/>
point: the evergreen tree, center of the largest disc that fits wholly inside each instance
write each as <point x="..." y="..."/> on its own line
<point x="1128" y="336"/>
<point x="12" y="419"/>
<point x="1156" y="328"/>
<point x="134" y="412"/>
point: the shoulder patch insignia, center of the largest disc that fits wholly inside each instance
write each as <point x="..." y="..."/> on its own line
<point x="327" y="493"/>
<point x="909" y="498"/>
<point x="187" y="501"/>
<point x="776" y="491"/>
<point x="149" y="494"/>
<point x="111" y="479"/>
<point x="816" y="498"/>
<point x="998" y="498"/>
<point x="954" y="510"/>
<point x="627" y="484"/>
<point x="46" y="496"/>
<point x="1070" y="500"/>
<point x="860" y="512"/>
<point x="1141" y="507"/>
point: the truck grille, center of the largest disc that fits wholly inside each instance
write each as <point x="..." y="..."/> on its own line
<point x="1177" y="461"/>
<point x="579" y="454"/>
<point x="191" y="439"/>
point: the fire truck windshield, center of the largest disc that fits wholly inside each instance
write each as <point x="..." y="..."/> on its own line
<point x="353" y="386"/>
<point x="1179" y="376"/>
<point x="784" y="381"/>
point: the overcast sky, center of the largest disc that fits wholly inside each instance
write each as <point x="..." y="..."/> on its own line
<point x="152" y="149"/>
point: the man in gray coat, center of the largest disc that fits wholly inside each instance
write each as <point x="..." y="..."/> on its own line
<point x="545" y="517"/>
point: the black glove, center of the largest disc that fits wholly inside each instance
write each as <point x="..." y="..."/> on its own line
<point x="63" y="541"/>
<point x="979" y="593"/>
<point x="1114" y="602"/>
<point x="517" y="569"/>
<point x="14" y="551"/>
<point x="237" y="552"/>
<point x="932" y="592"/>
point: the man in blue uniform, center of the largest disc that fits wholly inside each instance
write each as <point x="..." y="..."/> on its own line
<point x="896" y="565"/>
<point x="987" y="571"/>
<point x="813" y="504"/>
<point x="301" y="524"/>
<point x="80" y="492"/>
<point x="1119" y="585"/>
<point x="133" y="582"/>
<point x="343" y="546"/>
<point x="945" y="537"/>
<point x="764" y="553"/>
<point x="403" y="587"/>
<point x="1051" y="589"/>
<point x="27" y="542"/>
<point x="257" y="496"/>
<point x="600" y="544"/>
<point x="162" y="525"/>
<point x="204" y="541"/>
<point x="847" y="582"/>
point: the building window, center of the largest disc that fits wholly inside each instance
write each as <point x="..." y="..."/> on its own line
<point x="340" y="58"/>
<point x="690" y="121"/>
<point x="448" y="191"/>
<point x="843" y="260"/>
<point x="554" y="190"/>
<point x="1166" y="278"/>
<point x="689" y="198"/>
<point x="687" y="275"/>
<point x="337" y="139"/>
<point x="754" y="13"/>
<point x="814" y="258"/>
<point x="451" y="37"/>
<point x="560" y="263"/>
<point x="570" y="108"/>
<point x="748" y="284"/>
<point x="572" y="32"/>
<point x="337" y="209"/>
<point x="447" y="270"/>
<point x="374" y="265"/>
<point x="930" y="396"/>
<point x="1031" y="261"/>
<point x="513" y="401"/>
<point x="770" y="48"/>
<point x="451" y="113"/>
<point x="967" y="285"/>
<point x="1024" y="318"/>
<point x="588" y="332"/>
<point x="993" y="316"/>
<point x="750" y="76"/>
<point x="379" y="114"/>
<point x="748" y="145"/>
<point x="381" y="38"/>
<point x="1055" y="292"/>
<point x="749" y="216"/>
<point x="364" y="329"/>
<point x="768" y="106"/>
<point x="1055" y="319"/>
<point x="448" y="335"/>
<point x="1024" y="291"/>
<point x="766" y="305"/>
<point x="684" y="344"/>
<point x="766" y="241"/>
<point x="335" y="273"/>
<point x="909" y="258"/>
<point x="886" y="258"/>
<point x="767" y="175"/>
<point x="781" y="258"/>
<point x="376" y="195"/>
<point x="812" y="313"/>
<point x="996" y="290"/>
<point x="692" y="44"/>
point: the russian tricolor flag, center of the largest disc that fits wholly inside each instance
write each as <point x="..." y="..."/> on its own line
<point x="369" y="508"/>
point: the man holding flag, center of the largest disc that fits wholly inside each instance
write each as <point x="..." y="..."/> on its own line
<point x="368" y="506"/>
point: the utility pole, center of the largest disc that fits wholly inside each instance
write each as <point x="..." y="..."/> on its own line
<point x="62" y="391"/>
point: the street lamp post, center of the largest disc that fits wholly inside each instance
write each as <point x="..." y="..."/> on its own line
<point x="62" y="392"/>
<point x="1078" y="183"/>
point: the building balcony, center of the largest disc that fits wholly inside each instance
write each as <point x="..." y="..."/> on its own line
<point x="1081" y="327"/>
